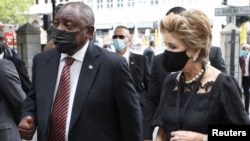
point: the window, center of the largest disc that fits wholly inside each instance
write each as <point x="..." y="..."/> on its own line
<point x="99" y="4"/>
<point x="131" y="3"/>
<point x="120" y="4"/>
<point x="154" y="2"/>
<point x="90" y="3"/>
<point x="109" y="4"/>
<point x="142" y="2"/>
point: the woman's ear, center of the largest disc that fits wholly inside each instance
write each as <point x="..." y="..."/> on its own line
<point x="196" y="54"/>
<point x="193" y="54"/>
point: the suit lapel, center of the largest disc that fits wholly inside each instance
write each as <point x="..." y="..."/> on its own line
<point x="51" y="70"/>
<point x="88" y="72"/>
<point x="132" y="64"/>
<point x="131" y="61"/>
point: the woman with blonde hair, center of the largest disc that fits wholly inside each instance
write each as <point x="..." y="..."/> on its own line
<point x="196" y="94"/>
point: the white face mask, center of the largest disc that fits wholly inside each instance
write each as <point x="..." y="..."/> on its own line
<point x="119" y="44"/>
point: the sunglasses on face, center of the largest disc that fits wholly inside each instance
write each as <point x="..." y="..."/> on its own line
<point x="118" y="36"/>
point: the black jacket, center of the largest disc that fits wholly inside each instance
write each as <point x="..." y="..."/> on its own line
<point x="140" y="71"/>
<point x="22" y="72"/>
<point x="158" y="76"/>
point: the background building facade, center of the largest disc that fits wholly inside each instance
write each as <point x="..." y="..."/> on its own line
<point x="140" y="16"/>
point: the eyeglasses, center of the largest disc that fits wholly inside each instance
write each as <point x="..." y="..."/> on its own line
<point x="118" y="36"/>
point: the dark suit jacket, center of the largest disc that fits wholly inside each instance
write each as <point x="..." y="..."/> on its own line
<point x="216" y="60"/>
<point x="149" y="52"/>
<point x="241" y="61"/>
<point x="11" y="99"/>
<point x="22" y="72"/>
<point x="106" y="105"/>
<point x="140" y="72"/>
<point x="158" y="76"/>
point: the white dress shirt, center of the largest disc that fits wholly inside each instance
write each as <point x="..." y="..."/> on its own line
<point x="1" y="55"/>
<point x="247" y="65"/>
<point x="75" y="69"/>
<point x="126" y="55"/>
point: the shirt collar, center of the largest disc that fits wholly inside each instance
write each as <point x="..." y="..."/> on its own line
<point x="1" y="55"/>
<point x="126" y="55"/>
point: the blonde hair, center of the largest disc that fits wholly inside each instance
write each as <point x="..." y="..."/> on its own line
<point x="192" y="27"/>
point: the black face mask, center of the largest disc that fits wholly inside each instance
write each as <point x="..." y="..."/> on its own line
<point x="174" y="61"/>
<point x="64" y="41"/>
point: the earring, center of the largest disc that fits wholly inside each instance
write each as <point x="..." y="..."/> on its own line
<point x="194" y="58"/>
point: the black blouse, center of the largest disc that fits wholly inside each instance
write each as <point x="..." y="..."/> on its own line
<point x="221" y="105"/>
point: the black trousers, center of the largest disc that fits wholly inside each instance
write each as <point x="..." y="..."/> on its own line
<point x="246" y="86"/>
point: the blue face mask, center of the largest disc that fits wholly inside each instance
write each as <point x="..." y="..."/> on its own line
<point x="119" y="44"/>
<point x="244" y="52"/>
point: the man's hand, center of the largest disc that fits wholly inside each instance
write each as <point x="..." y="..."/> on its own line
<point x="26" y="128"/>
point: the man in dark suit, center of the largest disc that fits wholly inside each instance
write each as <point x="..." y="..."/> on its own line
<point x="138" y="64"/>
<point x="19" y="64"/>
<point x="149" y="52"/>
<point x="11" y="99"/>
<point x="158" y="76"/>
<point x="22" y="72"/>
<point x="102" y="101"/>
<point x="244" y="61"/>
<point x="216" y="60"/>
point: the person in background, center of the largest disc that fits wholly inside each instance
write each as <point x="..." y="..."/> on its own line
<point x="11" y="99"/>
<point x="216" y="60"/>
<point x="196" y="94"/>
<point x="158" y="75"/>
<point x="19" y="64"/>
<point x="9" y="51"/>
<point x="244" y="60"/>
<point x="87" y="92"/>
<point x="149" y="52"/>
<point x="138" y="64"/>
<point x="51" y="44"/>
<point x="108" y="47"/>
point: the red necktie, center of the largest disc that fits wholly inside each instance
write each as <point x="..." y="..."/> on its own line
<point x="60" y="106"/>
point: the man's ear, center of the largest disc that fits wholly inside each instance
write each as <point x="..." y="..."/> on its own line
<point x="90" y="32"/>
